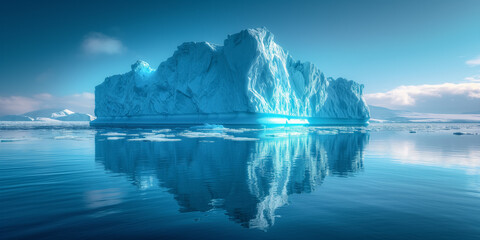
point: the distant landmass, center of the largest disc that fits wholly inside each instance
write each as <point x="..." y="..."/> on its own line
<point x="381" y="114"/>
<point x="474" y="112"/>
<point x="49" y="115"/>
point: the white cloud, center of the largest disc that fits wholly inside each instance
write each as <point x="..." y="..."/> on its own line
<point x="450" y="97"/>
<point x="81" y="102"/>
<point x="475" y="78"/>
<point x="98" y="43"/>
<point x="17" y="105"/>
<point x="473" y="62"/>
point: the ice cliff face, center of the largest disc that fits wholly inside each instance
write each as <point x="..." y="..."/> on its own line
<point x="249" y="74"/>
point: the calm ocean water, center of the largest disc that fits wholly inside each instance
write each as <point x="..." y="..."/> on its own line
<point x="391" y="181"/>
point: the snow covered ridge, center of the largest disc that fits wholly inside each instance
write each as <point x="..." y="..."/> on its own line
<point x="249" y="80"/>
<point x="49" y="115"/>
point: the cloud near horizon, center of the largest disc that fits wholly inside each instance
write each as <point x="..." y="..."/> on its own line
<point x="435" y="98"/>
<point x="475" y="78"/>
<point x="99" y="43"/>
<point x="473" y="62"/>
<point x="14" y="105"/>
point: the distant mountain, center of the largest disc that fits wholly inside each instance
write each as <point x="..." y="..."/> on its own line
<point x="76" y="117"/>
<point x="16" y="118"/>
<point x="474" y="112"/>
<point x="381" y="114"/>
<point x="51" y="114"/>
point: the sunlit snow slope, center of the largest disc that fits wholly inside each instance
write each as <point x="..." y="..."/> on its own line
<point x="249" y="80"/>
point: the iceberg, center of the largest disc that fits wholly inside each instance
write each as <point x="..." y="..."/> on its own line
<point x="248" y="80"/>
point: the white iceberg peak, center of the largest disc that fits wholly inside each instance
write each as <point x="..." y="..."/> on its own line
<point x="62" y="113"/>
<point x="141" y="66"/>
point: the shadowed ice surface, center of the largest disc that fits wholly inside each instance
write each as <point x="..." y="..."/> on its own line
<point x="397" y="181"/>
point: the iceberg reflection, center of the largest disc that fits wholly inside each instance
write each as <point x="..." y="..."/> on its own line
<point x="248" y="179"/>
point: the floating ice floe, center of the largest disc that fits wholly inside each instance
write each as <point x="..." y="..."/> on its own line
<point x="147" y="133"/>
<point x="113" y="134"/>
<point x="233" y="138"/>
<point x="156" y="138"/>
<point x="12" y="125"/>
<point x="463" y="133"/>
<point x="11" y="140"/>
<point x="64" y="137"/>
<point x="223" y="135"/>
<point x="162" y="130"/>
<point x="191" y="134"/>
<point x="115" y="138"/>
<point x="327" y="132"/>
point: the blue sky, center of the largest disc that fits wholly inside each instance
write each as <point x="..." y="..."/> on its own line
<point x="57" y="51"/>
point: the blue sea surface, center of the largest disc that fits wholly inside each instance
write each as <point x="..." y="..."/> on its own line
<point x="384" y="181"/>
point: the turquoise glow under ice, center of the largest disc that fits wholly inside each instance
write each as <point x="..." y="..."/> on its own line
<point x="282" y="120"/>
